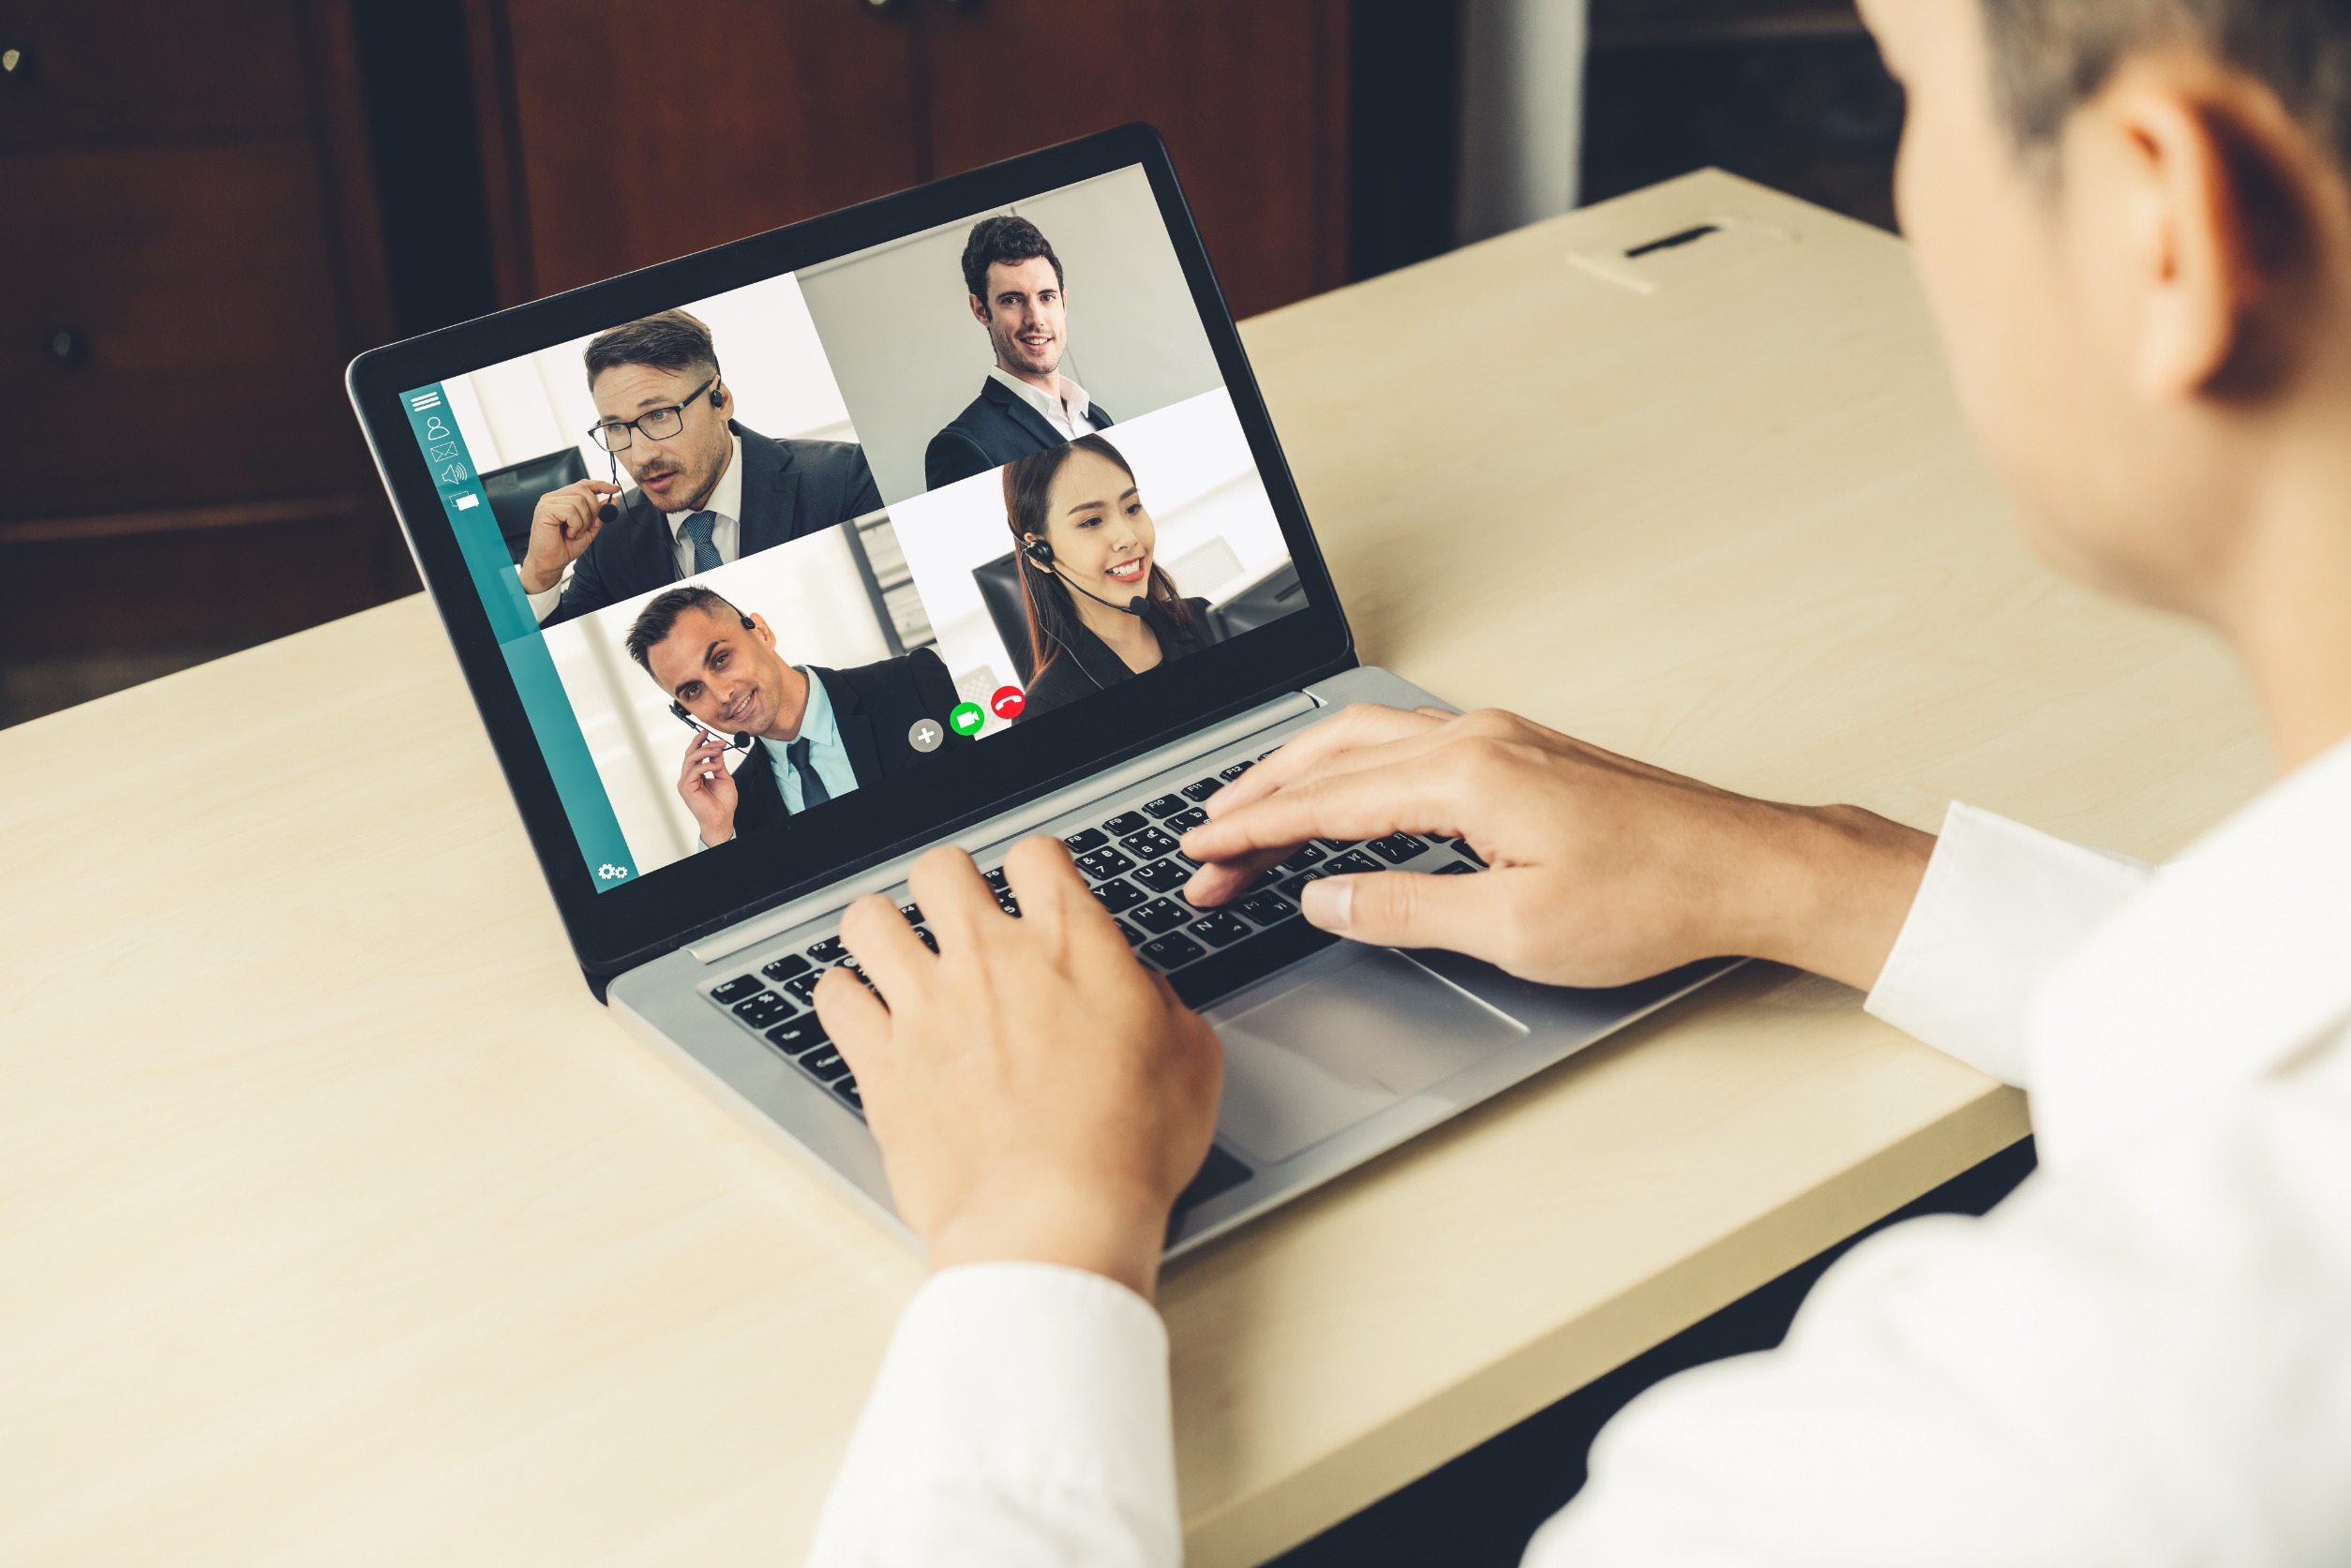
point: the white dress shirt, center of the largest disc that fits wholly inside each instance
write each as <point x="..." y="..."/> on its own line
<point x="1066" y="414"/>
<point x="726" y="531"/>
<point x="2142" y="1357"/>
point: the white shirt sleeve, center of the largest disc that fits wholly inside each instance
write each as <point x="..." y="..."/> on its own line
<point x="1021" y="1418"/>
<point x="2001" y="907"/>
<point x="2140" y="1361"/>
<point x="543" y="605"/>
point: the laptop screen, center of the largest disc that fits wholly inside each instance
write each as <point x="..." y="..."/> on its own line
<point x="752" y="554"/>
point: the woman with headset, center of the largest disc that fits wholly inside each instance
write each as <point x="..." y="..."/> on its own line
<point x="1100" y="609"/>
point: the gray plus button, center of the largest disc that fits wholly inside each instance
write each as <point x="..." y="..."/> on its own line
<point x="925" y="735"/>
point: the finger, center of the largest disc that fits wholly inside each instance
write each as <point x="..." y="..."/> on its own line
<point x="601" y="487"/>
<point x="1408" y="909"/>
<point x="1362" y="724"/>
<point x="1048" y="887"/>
<point x="1221" y="881"/>
<point x="955" y="899"/>
<point x="885" y="946"/>
<point x="856" y="1019"/>
<point x="1368" y="803"/>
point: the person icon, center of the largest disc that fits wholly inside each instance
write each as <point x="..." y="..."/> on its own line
<point x="434" y="429"/>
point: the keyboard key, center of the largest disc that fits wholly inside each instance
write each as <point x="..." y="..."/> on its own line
<point x="1159" y="917"/>
<point x="1354" y="864"/>
<point x="1165" y="806"/>
<point x="846" y="1089"/>
<point x="913" y="912"/>
<point x="802" y="1034"/>
<point x="1455" y="868"/>
<point x="1396" y="848"/>
<point x="1222" y="974"/>
<point x="1172" y="952"/>
<point x="1267" y="908"/>
<point x="1134" y="937"/>
<point x="786" y="967"/>
<point x="1218" y="927"/>
<point x="1337" y="846"/>
<point x="1308" y="855"/>
<point x="1149" y="844"/>
<point x="1295" y="889"/>
<point x="827" y="951"/>
<point x="995" y="878"/>
<point x="826" y="1064"/>
<point x="1119" y="897"/>
<point x="1127" y="822"/>
<point x="804" y="986"/>
<point x="1164" y="876"/>
<point x="928" y="940"/>
<point x="1085" y="839"/>
<point x="1103" y="864"/>
<point x="1009" y="904"/>
<point x="1201" y="790"/>
<point x="1460" y="847"/>
<point x="763" y="1010"/>
<point x="742" y="988"/>
<point x="1184" y="822"/>
<point x="1237" y="770"/>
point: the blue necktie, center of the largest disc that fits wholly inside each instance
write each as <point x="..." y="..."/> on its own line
<point x="811" y="787"/>
<point x="697" y="530"/>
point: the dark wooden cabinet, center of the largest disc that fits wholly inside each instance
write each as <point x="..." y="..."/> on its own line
<point x="621" y="136"/>
<point x="189" y="260"/>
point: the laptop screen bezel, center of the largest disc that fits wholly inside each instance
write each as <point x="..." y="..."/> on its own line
<point x="615" y="930"/>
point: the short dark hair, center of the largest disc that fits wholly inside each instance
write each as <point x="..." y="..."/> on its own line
<point x="672" y="340"/>
<point x="1007" y="239"/>
<point x="659" y="618"/>
<point x="2050" y="56"/>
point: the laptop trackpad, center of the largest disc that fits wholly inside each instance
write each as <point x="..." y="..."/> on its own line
<point x="1339" y="1037"/>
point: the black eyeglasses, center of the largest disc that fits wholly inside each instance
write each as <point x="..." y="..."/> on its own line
<point x="657" y="423"/>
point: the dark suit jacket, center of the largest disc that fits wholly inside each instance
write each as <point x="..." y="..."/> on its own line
<point x="790" y="489"/>
<point x="874" y="705"/>
<point x="997" y="427"/>
<point x="1089" y="666"/>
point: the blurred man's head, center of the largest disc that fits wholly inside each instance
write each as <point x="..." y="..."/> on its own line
<point x="2131" y="219"/>
<point x="636" y="372"/>
<point x="716" y="663"/>
<point x="1016" y="283"/>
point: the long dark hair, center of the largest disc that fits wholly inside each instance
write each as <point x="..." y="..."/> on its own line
<point x="1052" y="617"/>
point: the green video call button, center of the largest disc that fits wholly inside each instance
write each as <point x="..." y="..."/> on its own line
<point x="965" y="718"/>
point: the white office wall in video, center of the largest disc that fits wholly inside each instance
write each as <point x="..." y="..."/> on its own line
<point x="900" y="332"/>
<point x="809" y="591"/>
<point x="1217" y="531"/>
<point x="767" y="344"/>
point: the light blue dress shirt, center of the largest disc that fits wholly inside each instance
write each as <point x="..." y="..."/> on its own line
<point x="822" y="731"/>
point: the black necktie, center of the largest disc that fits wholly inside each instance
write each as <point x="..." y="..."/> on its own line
<point x="812" y="788"/>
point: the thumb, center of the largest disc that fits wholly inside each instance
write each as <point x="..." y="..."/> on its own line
<point x="1404" y="909"/>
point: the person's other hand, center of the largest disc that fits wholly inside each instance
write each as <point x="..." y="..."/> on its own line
<point x="1037" y="1092"/>
<point x="1605" y="870"/>
<point x="707" y="788"/>
<point x="563" y="525"/>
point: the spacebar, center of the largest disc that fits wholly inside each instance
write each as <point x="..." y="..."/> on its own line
<point x="1222" y="974"/>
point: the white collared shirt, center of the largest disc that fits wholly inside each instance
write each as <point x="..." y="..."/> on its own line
<point x="2142" y="1357"/>
<point x="726" y="531"/>
<point x="1066" y="414"/>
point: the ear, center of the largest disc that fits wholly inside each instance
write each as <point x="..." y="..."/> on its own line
<point x="2191" y="190"/>
<point x="978" y="308"/>
<point x="761" y="630"/>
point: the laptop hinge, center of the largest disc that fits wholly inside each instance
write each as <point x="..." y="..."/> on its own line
<point x="1035" y="814"/>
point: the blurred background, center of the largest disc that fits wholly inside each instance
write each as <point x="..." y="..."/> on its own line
<point x="213" y="204"/>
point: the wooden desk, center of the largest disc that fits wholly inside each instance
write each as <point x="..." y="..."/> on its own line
<point x="338" y="1224"/>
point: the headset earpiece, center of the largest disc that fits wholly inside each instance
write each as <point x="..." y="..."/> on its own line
<point x="1040" y="553"/>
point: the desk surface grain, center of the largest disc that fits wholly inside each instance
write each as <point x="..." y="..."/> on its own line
<point x="339" y="1225"/>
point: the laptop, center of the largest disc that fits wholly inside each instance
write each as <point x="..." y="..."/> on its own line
<point x="881" y="471"/>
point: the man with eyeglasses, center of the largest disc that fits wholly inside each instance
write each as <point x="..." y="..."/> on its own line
<point x="708" y="490"/>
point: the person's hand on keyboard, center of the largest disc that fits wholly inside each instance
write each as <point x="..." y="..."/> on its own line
<point x="1604" y="870"/>
<point x="1038" y="1095"/>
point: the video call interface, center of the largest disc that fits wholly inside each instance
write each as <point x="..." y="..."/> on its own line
<point x="751" y="555"/>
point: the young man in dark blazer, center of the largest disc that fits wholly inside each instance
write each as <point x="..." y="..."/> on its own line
<point x="709" y="490"/>
<point x="813" y="733"/>
<point x="1026" y="405"/>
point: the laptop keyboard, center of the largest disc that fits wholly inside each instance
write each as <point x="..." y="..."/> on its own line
<point x="1131" y="864"/>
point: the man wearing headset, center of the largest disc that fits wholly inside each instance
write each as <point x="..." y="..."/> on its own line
<point x="808" y="735"/>
<point x="709" y="490"/>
